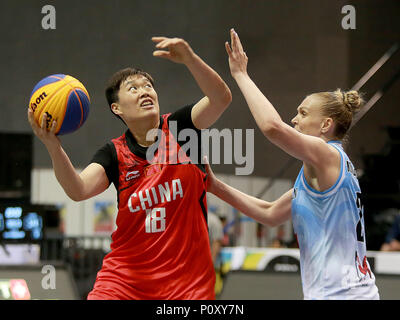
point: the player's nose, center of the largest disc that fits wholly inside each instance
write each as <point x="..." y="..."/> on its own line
<point x="144" y="94"/>
<point x="294" y="121"/>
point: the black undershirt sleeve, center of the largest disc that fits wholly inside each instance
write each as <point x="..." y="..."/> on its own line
<point x="183" y="118"/>
<point x="106" y="156"/>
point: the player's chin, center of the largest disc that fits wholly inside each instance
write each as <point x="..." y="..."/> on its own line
<point x="150" y="110"/>
<point x="150" y="107"/>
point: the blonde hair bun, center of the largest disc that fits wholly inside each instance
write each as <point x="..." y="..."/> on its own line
<point x="353" y="100"/>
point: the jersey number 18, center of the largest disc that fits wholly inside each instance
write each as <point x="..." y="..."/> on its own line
<point x="155" y="220"/>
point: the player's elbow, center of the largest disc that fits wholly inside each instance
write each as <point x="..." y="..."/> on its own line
<point x="273" y="215"/>
<point x="266" y="214"/>
<point x="76" y="198"/>
<point x="227" y="97"/>
<point x="223" y="100"/>
<point x="75" y="195"/>
<point x="273" y="223"/>
<point x="269" y="221"/>
<point x="272" y="129"/>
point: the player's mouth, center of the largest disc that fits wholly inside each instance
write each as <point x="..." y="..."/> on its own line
<point x="147" y="104"/>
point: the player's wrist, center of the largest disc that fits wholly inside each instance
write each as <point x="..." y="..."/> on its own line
<point x="191" y="60"/>
<point x="216" y="186"/>
<point x="240" y="75"/>
<point x="53" y="146"/>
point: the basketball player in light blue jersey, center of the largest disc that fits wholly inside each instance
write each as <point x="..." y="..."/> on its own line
<point x="325" y="203"/>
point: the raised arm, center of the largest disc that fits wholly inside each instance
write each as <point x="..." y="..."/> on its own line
<point x="268" y="213"/>
<point x="310" y="149"/>
<point x="217" y="94"/>
<point x="90" y="182"/>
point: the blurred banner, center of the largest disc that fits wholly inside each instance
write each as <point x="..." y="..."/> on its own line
<point x="288" y="260"/>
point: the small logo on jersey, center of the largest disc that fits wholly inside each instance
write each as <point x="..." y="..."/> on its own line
<point x="294" y="195"/>
<point x="364" y="267"/>
<point x="132" y="175"/>
<point x="351" y="169"/>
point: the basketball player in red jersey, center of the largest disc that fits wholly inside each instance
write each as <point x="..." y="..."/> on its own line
<point x="160" y="249"/>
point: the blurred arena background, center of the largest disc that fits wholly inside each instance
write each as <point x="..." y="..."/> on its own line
<point x="294" y="48"/>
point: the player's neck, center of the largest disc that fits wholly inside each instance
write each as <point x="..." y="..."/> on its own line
<point x="143" y="133"/>
<point x="327" y="138"/>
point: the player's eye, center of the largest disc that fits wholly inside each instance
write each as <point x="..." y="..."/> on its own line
<point x="132" y="88"/>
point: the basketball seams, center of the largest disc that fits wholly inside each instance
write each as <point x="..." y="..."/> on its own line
<point x="46" y="81"/>
<point x="79" y="99"/>
<point x="80" y="105"/>
<point x="51" y="97"/>
<point x="65" y="110"/>
<point x="47" y="101"/>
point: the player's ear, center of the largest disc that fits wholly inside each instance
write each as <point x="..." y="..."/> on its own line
<point x="326" y="125"/>
<point x="115" y="108"/>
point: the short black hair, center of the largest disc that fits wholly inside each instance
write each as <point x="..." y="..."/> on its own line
<point x="114" y="84"/>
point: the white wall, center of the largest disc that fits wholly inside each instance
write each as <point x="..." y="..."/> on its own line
<point x="79" y="216"/>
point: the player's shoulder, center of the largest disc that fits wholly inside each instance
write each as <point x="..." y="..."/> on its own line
<point x="119" y="138"/>
<point x="183" y="113"/>
<point x="105" y="153"/>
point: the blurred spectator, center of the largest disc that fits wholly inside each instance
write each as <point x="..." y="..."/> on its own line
<point x="216" y="236"/>
<point x="392" y="241"/>
<point x="278" y="241"/>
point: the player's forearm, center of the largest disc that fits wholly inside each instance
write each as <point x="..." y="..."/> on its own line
<point x="249" y="205"/>
<point x="65" y="173"/>
<point x="264" y="113"/>
<point x="210" y="82"/>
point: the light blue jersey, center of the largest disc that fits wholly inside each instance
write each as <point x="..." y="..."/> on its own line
<point x="330" y="231"/>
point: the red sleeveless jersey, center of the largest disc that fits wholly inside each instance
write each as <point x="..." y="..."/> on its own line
<point x="160" y="249"/>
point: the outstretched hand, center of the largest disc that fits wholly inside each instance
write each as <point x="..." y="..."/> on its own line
<point x="48" y="137"/>
<point x="212" y="179"/>
<point x="237" y="57"/>
<point x="174" y="49"/>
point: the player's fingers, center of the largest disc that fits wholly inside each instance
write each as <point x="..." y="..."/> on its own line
<point x="53" y="127"/>
<point x="32" y="121"/>
<point x="30" y="115"/>
<point x="33" y="124"/>
<point x="239" y="43"/>
<point x="168" y="43"/>
<point x="233" y="40"/>
<point x="207" y="166"/>
<point x="161" y="54"/>
<point x="228" y="48"/>
<point x="163" y="44"/>
<point x="43" y="122"/>
<point x="158" y="39"/>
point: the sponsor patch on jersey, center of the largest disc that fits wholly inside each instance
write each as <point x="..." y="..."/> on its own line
<point x="132" y="175"/>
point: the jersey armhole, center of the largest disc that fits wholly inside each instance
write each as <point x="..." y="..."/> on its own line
<point x="114" y="167"/>
<point x="334" y="187"/>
